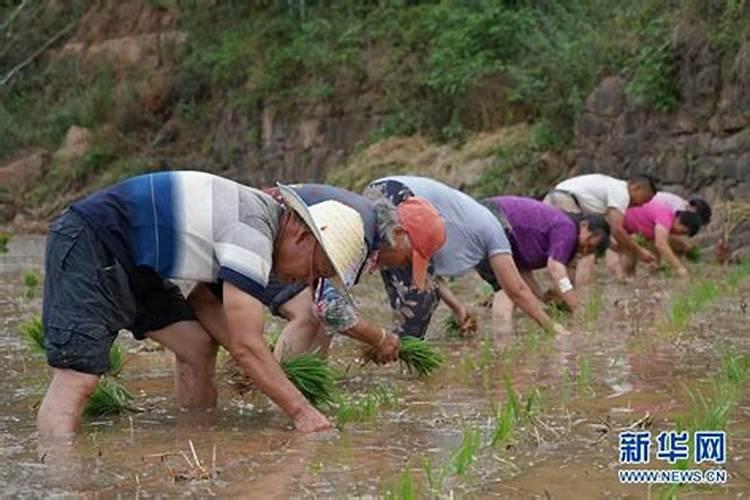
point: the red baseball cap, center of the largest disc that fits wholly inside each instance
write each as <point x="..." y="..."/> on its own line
<point x="426" y="230"/>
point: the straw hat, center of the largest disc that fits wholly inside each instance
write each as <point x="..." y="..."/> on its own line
<point x="339" y="230"/>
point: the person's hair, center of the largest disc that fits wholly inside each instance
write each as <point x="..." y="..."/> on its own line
<point x="387" y="220"/>
<point x="702" y="208"/>
<point x="598" y="226"/>
<point x="645" y="181"/>
<point x="691" y="220"/>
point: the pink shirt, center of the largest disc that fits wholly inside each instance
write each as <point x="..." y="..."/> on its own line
<point x="643" y="219"/>
<point x="671" y="200"/>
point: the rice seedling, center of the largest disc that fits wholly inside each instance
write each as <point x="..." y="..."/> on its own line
<point x="109" y="398"/>
<point x="592" y="306"/>
<point x="735" y="368"/>
<point x="4" y="240"/>
<point x="419" y="356"/>
<point x="365" y="408"/>
<point x="31" y="280"/>
<point x="583" y="377"/>
<point x="451" y="328"/>
<point x="466" y="453"/>
<point x="435" y="476"/>
<point x="196" y="470"/>
<point x="403" y="489"/>
<point x="505" y="421"/>
<point x="313" y="376"/>
<point x="686" y="305"/>
<point x="33" y="331"/>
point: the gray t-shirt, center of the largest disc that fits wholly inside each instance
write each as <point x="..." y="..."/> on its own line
<point x="472" y="232"/>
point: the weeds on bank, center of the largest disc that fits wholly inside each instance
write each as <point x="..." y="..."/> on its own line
<point x="366" y="407"/>
<point x="110" y="397"/>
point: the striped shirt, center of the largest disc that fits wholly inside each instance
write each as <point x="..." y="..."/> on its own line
<point x="188" y="225"/>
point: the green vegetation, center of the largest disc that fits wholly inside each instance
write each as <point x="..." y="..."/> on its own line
<point x="404" y="489"/>
<point x="440" y="69"/>
<point x="313" y="376"/>
<point x="31" y="280"/>
<point x="33" y="331"/>
<point x="419" y="356"/>
<point x="686" y="305"/>
<point x="4" y="240"/>
<point x="366" y="407"/>
<point x="110" y="397"/>
<point x="465" y="455"/>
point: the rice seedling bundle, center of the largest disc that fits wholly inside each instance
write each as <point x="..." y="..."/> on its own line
<point x="312" y="376"/>
<point x="33" y="332"/>
<point x="109" y="398"/>
<point x="419" y="356"/>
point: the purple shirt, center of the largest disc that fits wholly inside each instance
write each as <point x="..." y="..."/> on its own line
<point x="540" y="231"/>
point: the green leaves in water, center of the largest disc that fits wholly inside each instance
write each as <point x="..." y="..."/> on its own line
<point x="419" y="356"/>
<point x="313" y="377"/>
<point x="110" y="396"/>
<point x="33" y="332"/>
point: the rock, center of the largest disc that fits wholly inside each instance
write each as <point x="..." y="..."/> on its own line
<point x="76" y="144"/>
<point x="608" y="99"/>
<point x="149" y="50"/>
<point x="18" y="174"/>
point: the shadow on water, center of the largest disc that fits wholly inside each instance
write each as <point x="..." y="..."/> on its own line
<point x="621" y="366"/>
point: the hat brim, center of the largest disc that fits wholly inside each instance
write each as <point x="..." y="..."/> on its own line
<point x="295" y="202"/>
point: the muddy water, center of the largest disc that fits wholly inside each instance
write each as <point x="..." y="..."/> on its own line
<point x="619" y="367"/>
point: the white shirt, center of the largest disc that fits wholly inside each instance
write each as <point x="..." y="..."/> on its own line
<point x="596" y="192"/>
<point x="676" y="203"/>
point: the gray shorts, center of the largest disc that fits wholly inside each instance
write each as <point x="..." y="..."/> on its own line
<point x="89" y="296"/>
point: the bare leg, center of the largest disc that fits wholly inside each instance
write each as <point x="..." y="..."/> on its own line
<point x="585" y="270"/>
<point x="614" y="263"/>
<point x="62" y="407"/>
<point x="628" y="262"/>
<point x="195" y="362"/>
<point x="502" y="315"/>
<point x="303" y="333"/>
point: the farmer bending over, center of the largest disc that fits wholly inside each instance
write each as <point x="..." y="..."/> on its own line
<point x="541" y="236"/>
<point x="656" y="222"/>
<point x="395" y="237"/>
<point x="473" y="235"/>
<point x="604" y="195"/>
<point x="107" y="258"/>
<point x="681" y="244"/>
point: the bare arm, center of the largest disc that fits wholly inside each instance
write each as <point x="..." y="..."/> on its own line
<point x="385" y="346"/>
<point x="559" y="274"/>
<point x="244" y="317"/>
<point x="517" y="290"/>
<point x="661" y="241"/>
<point x="615" y="219"/>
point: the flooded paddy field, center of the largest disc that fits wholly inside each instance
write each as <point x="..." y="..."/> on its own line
<point x="535" y="417"/>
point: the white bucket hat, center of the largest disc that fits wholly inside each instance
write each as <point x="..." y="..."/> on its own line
<point x="339" y="230"/>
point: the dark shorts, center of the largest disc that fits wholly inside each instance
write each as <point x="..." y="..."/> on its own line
<point x="89" y="296"/>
